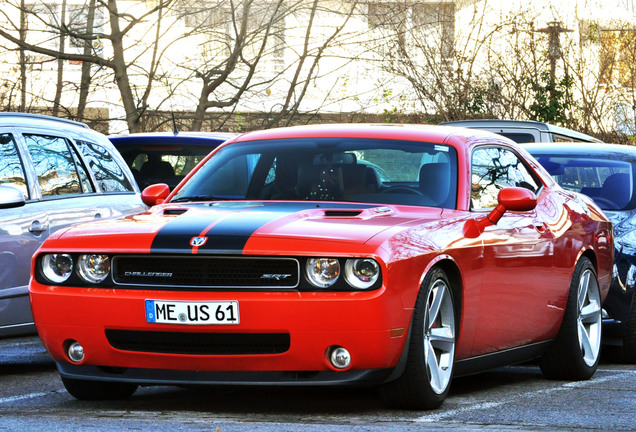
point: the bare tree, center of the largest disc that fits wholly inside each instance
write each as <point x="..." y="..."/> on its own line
<point x="120" y="25"/>
<point x="60" y="63"/>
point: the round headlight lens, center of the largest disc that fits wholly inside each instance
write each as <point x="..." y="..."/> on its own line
<point x="361" y="273"/>
<point x="93" y="268"/>
<point x="57" y="268"/>
<point x="322" y="272"/>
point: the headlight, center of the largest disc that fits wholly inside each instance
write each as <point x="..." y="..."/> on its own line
<point x="93" y="268"/>
<point x="322" y="272"/>
<point x="57" y="267"/>
<point x="361" y="273"/>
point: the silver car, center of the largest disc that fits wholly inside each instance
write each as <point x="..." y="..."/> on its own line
<point x="53" y="173"/>
<point x="526" y="131"/>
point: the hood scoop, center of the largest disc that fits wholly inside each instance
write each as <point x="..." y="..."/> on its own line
<point x="357" y="213"/>
<point x="342" y="213"/>
<point x="175" y="211"/>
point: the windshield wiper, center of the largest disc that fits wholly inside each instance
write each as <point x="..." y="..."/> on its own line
<point x="198" y="198"/>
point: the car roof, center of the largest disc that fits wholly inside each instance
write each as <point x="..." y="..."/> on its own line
<point x="21" y="119"/>
<point x="169" y="138"/>
<point x="522" y="124"/>
<point x="413" y="132"/>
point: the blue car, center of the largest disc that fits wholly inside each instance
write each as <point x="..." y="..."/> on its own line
<point x="607" y="174"/>
<point x="166" y="157"/>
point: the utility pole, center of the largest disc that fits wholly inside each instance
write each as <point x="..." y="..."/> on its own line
<point x="554" y="30"/>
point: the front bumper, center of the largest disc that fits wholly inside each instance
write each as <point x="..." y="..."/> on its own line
<point x="372" y="326"/>
<point x="150" y="377"/>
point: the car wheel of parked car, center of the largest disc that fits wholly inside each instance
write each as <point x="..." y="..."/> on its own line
<point x="627" y="352"/>
<point x="98" y="390"/>
<point x="574" y="355"/>
<point x="426" y="379"/>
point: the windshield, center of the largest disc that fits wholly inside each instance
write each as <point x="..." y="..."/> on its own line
<point x="329" y="169"/>
<point x="610" y="183"/>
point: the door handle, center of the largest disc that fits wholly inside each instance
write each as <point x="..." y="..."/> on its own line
<point x="37" y="228"/>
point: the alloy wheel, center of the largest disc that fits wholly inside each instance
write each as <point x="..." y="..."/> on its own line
<point x="439" y="336"/>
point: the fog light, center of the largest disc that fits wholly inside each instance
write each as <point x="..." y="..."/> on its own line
<point x="75" y="352"/>
<point x="340" y="358"/>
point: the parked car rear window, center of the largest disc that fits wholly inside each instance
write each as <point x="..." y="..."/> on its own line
<point x="108" y="174"/>
<point x="11" y="169"/>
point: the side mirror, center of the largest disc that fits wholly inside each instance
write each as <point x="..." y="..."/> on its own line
<point x="509" y="199"/>
<point x="155" y="194"/>
<point x="11" y="197"/>
<point x="512" y="199"/>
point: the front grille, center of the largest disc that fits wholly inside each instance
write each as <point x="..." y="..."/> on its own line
<point x="199" y="343"/>
<point x="206" y="272"/>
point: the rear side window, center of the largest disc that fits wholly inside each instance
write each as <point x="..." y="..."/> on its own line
<point x="519" y="137"/>
<point x="58" y="169"/>
<point x="108" y="174"/>
<point x="11" y="169"/>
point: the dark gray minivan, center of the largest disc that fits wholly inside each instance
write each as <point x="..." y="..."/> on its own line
<point x="53" y="173"/>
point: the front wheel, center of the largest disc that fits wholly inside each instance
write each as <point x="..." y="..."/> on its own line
<point x="430" y="364"/>
<point x="627" y="352"/>
<point x="98" y="390"/>
<point x="574" y="355"/>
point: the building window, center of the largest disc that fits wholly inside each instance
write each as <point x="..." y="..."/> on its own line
<point x="436" y="21"/>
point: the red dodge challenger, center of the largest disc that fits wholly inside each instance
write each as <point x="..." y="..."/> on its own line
<point x="395" y="256"/>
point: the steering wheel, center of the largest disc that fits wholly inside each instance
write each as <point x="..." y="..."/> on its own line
<point x="605" y="203"/>
<point x="402" y="189"/>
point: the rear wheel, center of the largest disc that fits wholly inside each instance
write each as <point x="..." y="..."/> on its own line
<point x="574" y="355"/>
<point x="98" y="390"/>
<point x="429" y="370"/>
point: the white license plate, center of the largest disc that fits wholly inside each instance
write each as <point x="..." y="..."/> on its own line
<point x="181" y="312"/>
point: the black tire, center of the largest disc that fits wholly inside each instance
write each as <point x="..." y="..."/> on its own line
<point x="98" y="390"/>
<point x="627" y="352"/>
<point x="574" y="355"/>
<point x="429" y="368"/>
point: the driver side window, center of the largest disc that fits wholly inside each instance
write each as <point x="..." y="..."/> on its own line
<point x="495" y="168"/>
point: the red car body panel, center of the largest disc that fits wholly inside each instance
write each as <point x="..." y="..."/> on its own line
<point x="537" y="249"/>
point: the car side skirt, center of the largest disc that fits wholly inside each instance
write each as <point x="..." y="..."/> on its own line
<point x="501" y="358"/>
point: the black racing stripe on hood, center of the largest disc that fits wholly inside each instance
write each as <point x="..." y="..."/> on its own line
<point x="229" y="232"/>
<point x="176" y="234"/>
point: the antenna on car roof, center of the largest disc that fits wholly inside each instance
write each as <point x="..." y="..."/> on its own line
<point x="175" y="130"/>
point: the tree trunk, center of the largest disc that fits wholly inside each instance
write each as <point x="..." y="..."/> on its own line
<point x="23" y="76"/>
<point x="85" y="80"/>
<point x="120" y="69"/>
<point x="60" y="63"/>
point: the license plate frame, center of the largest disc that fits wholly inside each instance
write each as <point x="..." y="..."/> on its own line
<point x="217" y="312"/>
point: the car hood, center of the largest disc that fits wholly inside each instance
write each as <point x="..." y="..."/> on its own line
<point x="624" y="223"/>
<point x="242" y="227"/>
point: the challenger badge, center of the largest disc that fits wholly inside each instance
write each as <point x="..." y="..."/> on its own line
<point x="198" y="241"/>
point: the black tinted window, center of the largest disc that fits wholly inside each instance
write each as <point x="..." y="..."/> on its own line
<point x="108" y="174"/>
<point x="519" y="137"/>
<point x="11" y="169"/>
